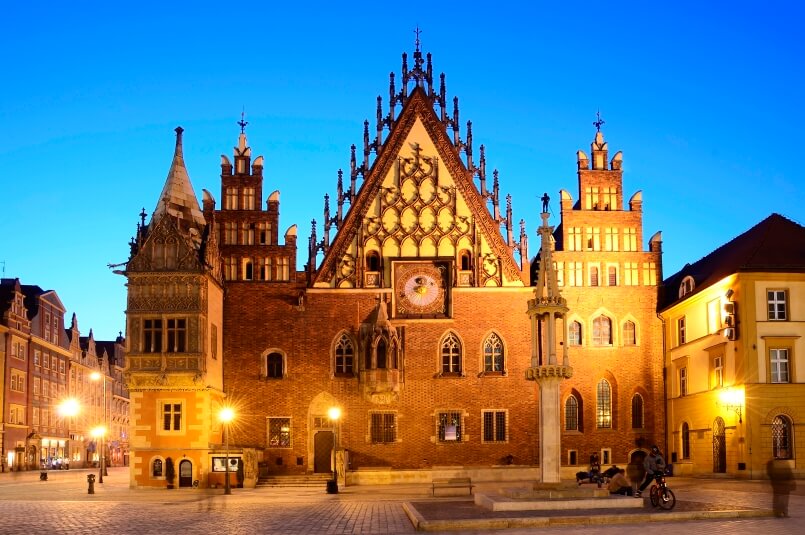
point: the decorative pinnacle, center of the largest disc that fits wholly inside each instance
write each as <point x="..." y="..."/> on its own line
<point x="242" y="123"/>
<point x="599" y="121"/>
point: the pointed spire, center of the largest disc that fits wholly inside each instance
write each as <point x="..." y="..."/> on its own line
<point x="178" y="198"/>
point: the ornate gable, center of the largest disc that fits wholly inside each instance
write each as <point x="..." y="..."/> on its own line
<point x="418" y="201"/>
<point x="166" y="249"/>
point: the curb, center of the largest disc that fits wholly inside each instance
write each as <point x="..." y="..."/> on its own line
<point x="421" y="524"/>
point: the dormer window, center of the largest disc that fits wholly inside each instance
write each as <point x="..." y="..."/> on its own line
<point x="687" y="286"/>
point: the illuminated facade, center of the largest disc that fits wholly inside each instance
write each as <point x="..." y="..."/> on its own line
<point x="412" y="317"/>
<point x="735" y="334"/>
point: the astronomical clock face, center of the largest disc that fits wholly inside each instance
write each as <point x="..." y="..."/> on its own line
<point x="421" y="289"/>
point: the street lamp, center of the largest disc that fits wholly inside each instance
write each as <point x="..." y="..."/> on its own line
<point x="226" y="415"/>
<point x="69" y="408"/>
<point x="334" y="413"/>
<point x="732" y="399"/>
<point x="95" y="376"/>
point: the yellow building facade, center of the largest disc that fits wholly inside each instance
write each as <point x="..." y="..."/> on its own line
<point x="735" y="355"/>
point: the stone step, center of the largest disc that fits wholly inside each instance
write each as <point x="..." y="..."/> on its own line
<point x="312" y="480"/>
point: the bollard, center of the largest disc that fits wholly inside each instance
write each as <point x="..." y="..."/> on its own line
<point x="91" y="481"/>
<point x="43" y="475"/>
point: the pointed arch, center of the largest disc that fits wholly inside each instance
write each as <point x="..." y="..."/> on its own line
<point x="343" y="354"/>
<point x="628" y="331"/>
<point x="493" y="352"/>
<point x="574" y="411"/>
<point x="451" y="354"/>
<point x="638" y="411"/>
<point x="603" y="404"/>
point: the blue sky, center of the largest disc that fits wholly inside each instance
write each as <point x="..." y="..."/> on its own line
<point x="704" y="102"/>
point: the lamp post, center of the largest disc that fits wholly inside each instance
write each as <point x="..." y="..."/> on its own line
<point x="226" y="415"/>
<point x="95" y="376"/>
<point x="334" y="413"/>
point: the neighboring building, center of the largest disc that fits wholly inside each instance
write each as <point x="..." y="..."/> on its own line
<point x="39" y="374"/>
<point x="735" y="358"/>
<point x="412" y="319"/>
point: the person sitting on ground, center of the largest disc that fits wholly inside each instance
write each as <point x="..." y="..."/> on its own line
<point x="654" y="465"/>
<point x="609" y="473"/>
<point x="618" y="484"/>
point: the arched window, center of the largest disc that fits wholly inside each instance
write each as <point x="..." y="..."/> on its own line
<point x="686" y="286"/>
<point x="381" y="354"/>
<point x="603" y="409"/>
<point x="629" y="336"/>
<point x="571" y="413"/>
<point x="156" y="468"/>
<point x="344" y="355"/>
<point x="685" y="440"/>
<point x="574" y="334"/>
<point x="372" y="261"/>
<point x="781" y="433"/>
<point x="451" y="354"/>
<point x="637" y="412"/>
<point x="465" y="259"/>
<point x="274" y="367"/>
<point x="493" y="354"/>
<point x="602" y="331"/>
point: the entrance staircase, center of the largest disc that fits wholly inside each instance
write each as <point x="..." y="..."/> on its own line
<point x="308" y="480"/>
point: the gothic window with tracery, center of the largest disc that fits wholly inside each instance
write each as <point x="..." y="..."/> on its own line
<point x="493" y="354"/>
<point x="451" y="354"/>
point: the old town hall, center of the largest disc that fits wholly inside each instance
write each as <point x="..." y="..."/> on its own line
<point x="410" y="316"/>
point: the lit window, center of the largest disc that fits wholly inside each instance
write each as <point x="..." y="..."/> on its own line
<point x="156" y="468"/>
<point x="718" y="372"/>
<point x="781" y="437"/>
<point x="603" y="410"/>
<point x="629" y="239"/>
<point x="279" y="432"/>
<point x="449" y="426"/>
<point x="283" y="268"/>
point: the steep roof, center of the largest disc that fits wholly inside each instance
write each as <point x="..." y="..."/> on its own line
<point x="775" y="245"/>
<point x="178" y="198"/>
<point x="417" y="107"/>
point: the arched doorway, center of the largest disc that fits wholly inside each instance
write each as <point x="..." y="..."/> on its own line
<point x="719" y="446"/>
<point x="322" y="452"/>
<point x="185" y="473"/>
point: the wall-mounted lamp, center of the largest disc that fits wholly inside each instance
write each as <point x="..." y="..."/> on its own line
<point x="732" y="399"/>
<point x="729" y="293"/>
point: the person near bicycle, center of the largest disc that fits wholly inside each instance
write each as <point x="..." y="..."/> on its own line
<point x="655" y="467"/>
<point x="618" y="484"/>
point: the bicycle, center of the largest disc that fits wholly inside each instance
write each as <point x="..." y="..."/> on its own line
<point x="660" y="495"/>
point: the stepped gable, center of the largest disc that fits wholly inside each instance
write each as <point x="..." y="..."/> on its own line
<point x="418" y="104"/>
<point x="776" y="244"/>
